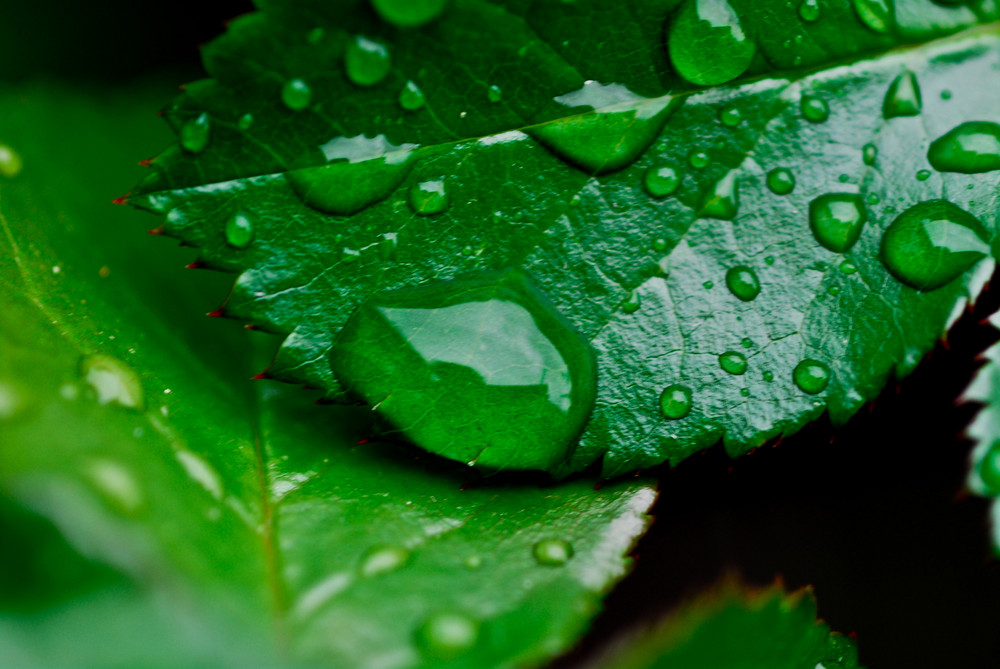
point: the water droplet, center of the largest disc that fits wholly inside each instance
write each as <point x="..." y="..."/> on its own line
<point x="113" y="381"/>
<point x="744" y="392"/>
<point x="387" y="244"/>
<point x="743" y="283"/>
<point x="660" y="244"/>
<point x="116" y="484"/>
<point x="723" y="200"/>
<point x="707" y="43"/>
<point x="933" y="243"/>
<point x="814" y="109"/>
<point x="632" y="304"/>
<point x="244" y="122"/>
<point x="768" y="375"/>
<point x="970" y="148"/>
<point x="10" y="162"/>
<point x="409" y="13"/>
<point x="447" y="635"/>
<point x="366" y="61"/>
<point x="194" y="134"/>
<point x="675" y="401"/>
<point x="473" y="562"/>
<point x="619" y="127"/>
<point x="733" y="362"/>
<point x="903" y="97"/>
<point x="811" y="376"/>
<point x="809" y="10"/>
<point x="746" y="342"/>
<point x="296" y="94"/>
<point x="946" y="94"/>
<point x="661" y="180"/>
<point x="698" y="159"/>
<point x="383" y="559"/>
<point x="780" y="181"/>
<point x="349" y="255"/>
<point x="552" y="552"/>
<point x="847" y="267"/>
<point x="833" y="290"/>
<point x="768" y="260"/>
<point x="872" y="198"/>
<point x="491" y="342"/>
<point x="239" y="231"/>
<point x="837" y="219"/>
<point x="11" y="401"/>
<point x="989" y="469"/>
<point x="876" y="14"/>
<point x="731" y="117"/>
<point x="708" y="285"/>
<point x="868" y="154"/>
<point x="200" y="472"/>
<point x="429" y="197"/>
<point x="923" y="175"/>
<point x="411" y="97"/>
<point x="494" y="94"/>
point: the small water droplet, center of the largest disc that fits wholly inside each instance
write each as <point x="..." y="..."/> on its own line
<point x="872" y="198"/>
<point x="844" y="178"/>
<point x="632" y="304"/>
<point x="660" y="244"/>
<point x="113" y="381"/>
<point x="946" y="94"/>
<point x="768" y="375"/>
<point x="552" y="552"/>
<point x="473" y="562"/>
<point x="675" y="401"/>
<point x="781" y="181"/>
<point x="768" y="260"/>
<point x="903" y="97"/>
<point x="11" y="401"/>
<point x="923" y="175"/>
<point x="194" y="134"/>
<point x="875" y="14"/>
<point x="698" y="159"/>
<point x="932" y="243"/>
<point x="814" y="109"/>
<point x="10" y="162"/>
<point x="868" y="154"/>
<point x="494" y="94"/>
<point x="387" y="244"/>
<point x="116" y="484"/>
<point x="367" y="62"/>
<point x="723" y="200"/>
<point x="411" y="97"/>
<point x="429" y="197"/>
<point x="383" y="559"/>
<point x="447" y="635"/>
<point x="744" y="392"/>
<point x="847" y="267"/>
<point x="708" y="285"/>
<point x="349" y="255"/>
<point x="296" y="94"/>
<point x="970" y="148"/>
<point x="239" y="231"/>
<point x="989" y="469"/>
<point x="733" y="362"/>
<point x="833" y="290"/>
<point x="409" y="13"/>
<point x="661" y="180"/>
<point x="731" y="117"/>
<point x="837" y="219"/>
<point x="245" y="121"/>
<point x="200" y="472"/>
<point x="746" y="342"/>
<point x="707" y="44"/>
<point x="811" y="376"/>
<point x="743" y="283"/>
<point x="809" y="10"/>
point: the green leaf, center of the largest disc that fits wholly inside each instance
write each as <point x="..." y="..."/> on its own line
<point x="734" y="627"/>
<point x="354" y="193"/>
<point x="129" y="421"/>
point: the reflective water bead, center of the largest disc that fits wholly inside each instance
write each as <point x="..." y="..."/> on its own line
<point x="970" y="148"/>
<point x="876" y="14"/>
<point x="733" y="362"/>
<point x="837" y="219"/>
<point x="383" y="559"/>
<point x="409" y="13"/>
<point x="731" y="117"/>
<point x="661" y="180"/>
<point x="194" y="134"/>
<point x="811" y="376"/>
<point x="494" y="94"/>
<point x="780" y="181"/>
<point x="903" y="97"/>
<point x="447" y="635"/>
<point x="675" y="401"/>
<point x="552" y="552"/>
<point x="814" y="109"/>
<point x="698" y="159"/>
<point x="239" y="231"/>
<point x="411" y="97"/>
<point x="707" y="44"/>
<point x="868" y="154"/>
<point x="743" y="283"/>
<point x="296" y="94"/>
<point x="366" y="61"/>
<point x="10" y="162"/>
<point x="429" y="197"/>
<point x="809" y="10"/>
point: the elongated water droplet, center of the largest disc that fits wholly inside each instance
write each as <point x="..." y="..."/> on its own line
<point x="707" y="43"/>
<point x="923" y="175"/>
<point x="411" y="97"/>
<point x="116" y="484"/>
<point x="194" y="134"/>
<point x="989" y="469"/>
<point x="743" y="283"/>
<point x="296" y="94"/>
<point x="367" y="62"/>
<point x="552" y="552"/>
<point x="932" y="243"/>
<point x="970" y="148"/>
<point x="239" y="231"/>
<point x="811" y="376"/>
<point x="429" y="197"/>
<point x="619" y="128"/>
<point x="113" y="381"/>
<point x="521" y="380"/>
<point x="409" y="13"/>
<point x="814" y="109"/>
<point x="494" y="94"/>
<point x="723" y="200"/>
<point x="383" y="559"/>
<point x="10" y="162"/>
<point x="876" y="14"/>
<point x="809" y="10"/>
<point x="837" y="219"/>
<point x="661" y="180"/>
<point x="632" y="304"/>
<point x="780" y="181"/>
<point x="847" y="267"/>
<point x="733" y="362"/>
<point x="675" y="401"/>
<point x="698" y="159"/>
<point x="868" y="154"/>
<point x="447" y="635"/>
<point x="903" y="97"/>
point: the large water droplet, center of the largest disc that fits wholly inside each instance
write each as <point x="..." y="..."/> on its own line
<point x="361" y="171"/>
<point x="933" y="243"/>
<point x="743" y="283"/>
<point x="903" y="97"/>
<point x="811" y="376"/>
<point x="239" y="231"/>
<point x="619" y="128"/>
<point x="876" y="14"/>
<point x="780" y="181"/>
<point x="707" y="43"/>
<point x="552" y="552"/>
<point x="429" y="197"/>
<point x="383" y="559"/>
<point x="814" y="109"/>
<point x="296" y="94"/>
<point x="113" y="381"/>
<point x="10" y="162"/>
<point x="661" y="180"/>
<point x="511" y="382"/>
<point x="411" y="97"/>
<point x="366" y="61"/>
<point x="733" y="362"/>
<point x="809" y="10"/>
<point x="969" y="148"/>
<point x="723" y="200"/>
<point x="409" y="13"/>
<point x="194" y="134"/>
<point x="447" y="635"/>
<point x="837" y="219"/>
<point x="675" y="401"/>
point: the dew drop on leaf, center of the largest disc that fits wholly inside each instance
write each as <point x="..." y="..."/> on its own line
<point x="837" y="219"/>
<point x="494" y="94"/>
<point x="875" y="14"/>
<point x="349" y="255"/>
<point x="847" y="267"/>
<point x="811" y="376"/>
<point x="933" y="243"/>
<point x="632" y="304"/>
<point x="707" y="44"/>
<point x="367" y="62"/>
<point x="675" y="401"/>
<point x="731" y="117"/>
<point x="296" y="94"/>
<point x="733" y="362"/>
<point x="923" y="175"/>
<point x="194" y="134"/>
<point x="698" y="159"/>
<point x="383" y="559"/>
<point x="746" y="342"/>
<point x="989" y="469"/>
<point x="11" y="401"/>
<point x="552" y="552"/>
<point x="873" y="198"/>
<point x="661" y="180"/>
<point x="660" y="244"/>
<point x="10" y="162"/>
<point x="239" y="231"/>
<point x="868" y="154"/>
<point x="768" y="375"/>
<point x="411" y="97"/>
<point x="970" y="148"/>
<point x="903" y="97"/>
<point x="113" y="381"/>
<point x="116" y="484"/>
<point x="780" y="181"/>
<point x="743" y="283"/>
<point x="388" y="242"/>
<point x="409" y="13"/>
<point x="723" y="200"/>
<point x="429" y="197"/>
<point x="809" y="10"/>
<point x="447" y="635"/>
<point x="814" y="109"/>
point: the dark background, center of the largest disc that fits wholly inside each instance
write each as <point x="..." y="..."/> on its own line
<point x="871" y="514"/>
